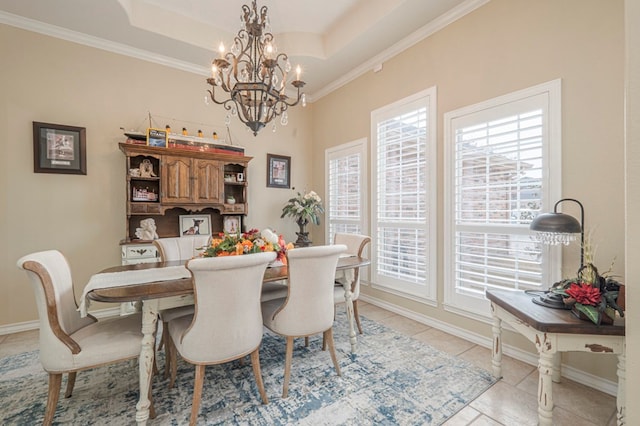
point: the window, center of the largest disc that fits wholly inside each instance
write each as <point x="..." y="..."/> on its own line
<point x="502" y="160"/>
<point x="403" y="196"/>
<point x="346" y="182"/>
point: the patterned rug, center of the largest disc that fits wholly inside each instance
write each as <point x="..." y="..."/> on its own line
<point x="391" y="380"/>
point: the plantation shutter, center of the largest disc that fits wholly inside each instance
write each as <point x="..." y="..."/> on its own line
<point x="498" y="191"/>
<point x="347" y="189"/>
<point x="404" y="197"/>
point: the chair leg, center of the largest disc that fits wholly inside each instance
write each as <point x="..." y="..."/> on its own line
<point x="197" y="394"/>
<point x="172" y="357"/>
<point x="357" y="316"/>
<point x="71" y="381"/>
<point x="324" y="343"/>
<point x="328" y="335"/>
<point x="167" y="350"/>
<point x="287" y="366"/>
<point x="255" y="363"/>
<point x="55" y="380"/>
<point x="306" y="341"/>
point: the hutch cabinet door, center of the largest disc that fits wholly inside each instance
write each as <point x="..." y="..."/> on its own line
<point x="208" y="178"/>
<point x="177" y="182"/>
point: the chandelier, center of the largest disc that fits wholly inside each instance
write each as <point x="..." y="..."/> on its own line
<point x="252" y="76"/>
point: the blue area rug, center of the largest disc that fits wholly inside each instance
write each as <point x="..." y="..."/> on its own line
<point x="391" y="380"/>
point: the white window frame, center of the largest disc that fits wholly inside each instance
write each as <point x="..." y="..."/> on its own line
<point x="456" y="299"/>
<point x="357" y="147"/>
<point x="427" y="293"/>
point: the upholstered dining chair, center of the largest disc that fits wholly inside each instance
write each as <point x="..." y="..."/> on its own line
<point x="308" y="308"/>
<point x="356" y="244"/>
<point x="227" y="323"/>
<point x="177" y="248"/>
<point x="68" y="342"/>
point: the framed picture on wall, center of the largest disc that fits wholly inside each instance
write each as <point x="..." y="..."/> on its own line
<point x="197" y="224"/>
<point x="58" y="148"/>
<point x="278" y="171"/>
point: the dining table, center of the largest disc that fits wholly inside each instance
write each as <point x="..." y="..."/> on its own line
<point x="163" y="285"/>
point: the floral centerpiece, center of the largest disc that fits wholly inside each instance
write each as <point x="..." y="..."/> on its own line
<point x="252" y="241"/>
<point x="304" y="209"/>
<point x="594" y="295"/>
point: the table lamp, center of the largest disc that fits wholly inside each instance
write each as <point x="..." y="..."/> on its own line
<point x="553" y="229"/>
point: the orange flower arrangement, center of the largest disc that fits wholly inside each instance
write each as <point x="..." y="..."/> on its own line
<point x="252" y="241"/>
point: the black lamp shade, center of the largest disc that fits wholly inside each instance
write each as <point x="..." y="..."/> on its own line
<point x="556" y="223"/>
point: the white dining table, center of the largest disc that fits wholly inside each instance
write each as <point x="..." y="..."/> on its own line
<point x="164" y="285"/>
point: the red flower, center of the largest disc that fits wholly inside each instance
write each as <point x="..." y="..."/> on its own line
<point x="585" y="294"/>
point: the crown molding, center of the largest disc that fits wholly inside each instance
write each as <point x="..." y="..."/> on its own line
<point x="374" y="63"/>
<point x="98" y="43"/>
<point x="417" y="36"/>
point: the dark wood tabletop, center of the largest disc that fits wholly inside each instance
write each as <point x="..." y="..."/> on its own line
<point x="549" y="320"/>
<point x="179" y="287"/>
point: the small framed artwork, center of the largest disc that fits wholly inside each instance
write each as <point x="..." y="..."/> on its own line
<point x="58" y="148"/>
<point x="278" y="171"/>
<point x="197" y="224"/>
<point x="232" y="224"/>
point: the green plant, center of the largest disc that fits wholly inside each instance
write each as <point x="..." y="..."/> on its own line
<point x="304" y="208"/>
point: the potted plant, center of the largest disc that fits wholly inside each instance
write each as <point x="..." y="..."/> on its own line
<point x="304" y="209"/>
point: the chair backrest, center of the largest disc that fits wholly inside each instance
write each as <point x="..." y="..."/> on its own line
<point x="356" y="244"/>
<point x="309" y="307"/>
<point x="180" y="248"/>
<point x="50" y="277"/>
<point x="228" y="319"/>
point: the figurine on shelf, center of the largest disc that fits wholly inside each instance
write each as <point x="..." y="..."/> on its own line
<point x="147" y="230"/>
<point x="146" y="169"/>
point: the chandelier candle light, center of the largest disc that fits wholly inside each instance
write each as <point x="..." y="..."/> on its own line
<point x="253" y="75"/>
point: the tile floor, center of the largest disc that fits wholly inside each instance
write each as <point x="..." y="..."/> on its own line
<point x="511" y="401"/>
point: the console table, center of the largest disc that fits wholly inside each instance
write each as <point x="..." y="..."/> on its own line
<point x="554" y="331"/>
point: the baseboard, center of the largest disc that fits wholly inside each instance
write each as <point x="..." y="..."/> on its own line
<point x="34" y="325"/>
<point x="607" y="386"/>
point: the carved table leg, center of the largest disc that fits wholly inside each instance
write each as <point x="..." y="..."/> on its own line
<point x="349" y="303"/>
<point x="545" y="397"/>
<point x="145" y="363"/>
<point x="622" y="386"/>
<point x="496" y="358"/>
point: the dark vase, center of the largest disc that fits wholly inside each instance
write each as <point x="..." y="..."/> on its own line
<point x="303" y="235"/>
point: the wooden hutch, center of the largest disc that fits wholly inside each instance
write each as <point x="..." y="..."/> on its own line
<point x="166" y="183"/>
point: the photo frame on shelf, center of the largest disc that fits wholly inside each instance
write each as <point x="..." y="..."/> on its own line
<point x="157" y="138"/>
<point x="278" y="171"/>
<point x="58" y="148"/>
<point x="196" y="224"/>
<point x="232" y="224"/>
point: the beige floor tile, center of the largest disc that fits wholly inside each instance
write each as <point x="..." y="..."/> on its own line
<point x="578" y="400"/>
<point x="444" y="341"/>
<point x="463" y="417"/>
<point x="373" y="312"/>
<point x="508" y="405"/>
<point x="19" y="342"/>
<point x="485" y="421"/>
<point x="404" y="325"/>
<point x="513" y="371"/>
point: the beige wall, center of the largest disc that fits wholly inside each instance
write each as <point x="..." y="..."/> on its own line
<point x="505" y="46"/>
<point x="55" y="81"/>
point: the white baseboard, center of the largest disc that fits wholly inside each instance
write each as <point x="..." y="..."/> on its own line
<point x="607" y="386"/>
<point x="34" y="325"/>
